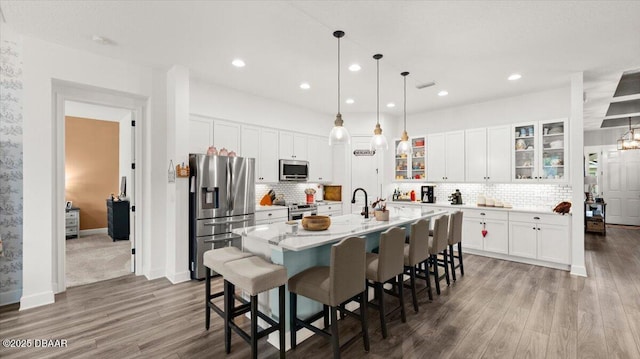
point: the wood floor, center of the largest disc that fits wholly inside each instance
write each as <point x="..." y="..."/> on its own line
<point x="499" y="309"/>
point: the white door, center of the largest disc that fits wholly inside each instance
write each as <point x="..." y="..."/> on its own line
<point x="522" y="239"/>
<point x="621" y="186"/>
<point x="200" y="135"/>
<point x="250" y="146"/>
<point x="436" y="157"/>
<point x="553" y="243"/>
<point x="268" y="155"/>
<point x="226" y="135"/>
<point x="285" y="145"/>
<point x="499" y="154"/>
<point x="319" y="159"/>
<point x="475" y="144"/>
<point x="472" y="233"/>
<point x="454" y="156"/>
<point x="497" y="238"/>
<point x="364" y="174"/>
<point x="300" y="147"/>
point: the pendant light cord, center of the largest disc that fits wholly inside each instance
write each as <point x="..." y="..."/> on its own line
<point x="405" y="103"/>
<point x="378" y="92"/>
<point x="338" y="75"/>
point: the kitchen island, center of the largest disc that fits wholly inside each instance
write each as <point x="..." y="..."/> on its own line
<point x="298" y="249"/>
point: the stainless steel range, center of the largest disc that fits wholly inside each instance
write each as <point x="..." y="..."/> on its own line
<point x="297" y="211"/>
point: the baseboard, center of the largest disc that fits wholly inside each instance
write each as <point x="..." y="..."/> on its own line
<point x="506" y="257"/>
<point x="10" y="297"/>
<point x="179" y="277"/>
<point x="155" y="273"/>
<point x="36" y="300"/>
<point x="579" y="271"/>
<point x="88" y="232"/>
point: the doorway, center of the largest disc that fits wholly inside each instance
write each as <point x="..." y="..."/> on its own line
<point x="66" y="93"/>
<point x="365" y="173"/>
<point x="98" y="145"/>
<point x="621" y="185"/>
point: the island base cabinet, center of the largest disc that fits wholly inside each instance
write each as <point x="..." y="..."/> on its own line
<point x="554" y="244"/>
<point x="522" y="240"/>
<point x="495" y="240"/>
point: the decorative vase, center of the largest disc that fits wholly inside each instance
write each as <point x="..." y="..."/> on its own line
<point x="381" y="216"/>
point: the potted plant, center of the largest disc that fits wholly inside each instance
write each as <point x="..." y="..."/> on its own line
<point x="380" y="209"/>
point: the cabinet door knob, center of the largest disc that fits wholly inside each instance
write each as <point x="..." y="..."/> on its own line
<point x="538" y="228"/>
<point x="270" y="214"/>
<point x="536" y="217"/>
<point x="534" y="228"/>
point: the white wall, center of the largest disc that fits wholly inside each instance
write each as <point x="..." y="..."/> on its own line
<point x="43" y="62"/>
<point x="604" y="137"/>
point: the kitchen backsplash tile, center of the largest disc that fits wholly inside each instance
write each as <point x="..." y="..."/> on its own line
<point x="293" y="191"/>
<point x="519" y="195"/>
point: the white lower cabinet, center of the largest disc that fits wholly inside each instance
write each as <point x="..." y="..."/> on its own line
<point x="331" y="210"/>
<point x="540" y="236"/>
<point x="496" y="237"/>
<point x="272" y="215"/>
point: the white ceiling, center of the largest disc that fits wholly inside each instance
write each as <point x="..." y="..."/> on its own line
<point x="467" y="48"/>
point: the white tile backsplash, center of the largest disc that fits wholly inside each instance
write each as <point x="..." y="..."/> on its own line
<point x="518" y="195"/>
<point x="293" y="191"/>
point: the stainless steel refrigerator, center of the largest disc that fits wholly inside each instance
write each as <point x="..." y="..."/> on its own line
<point x="221" y="198"/>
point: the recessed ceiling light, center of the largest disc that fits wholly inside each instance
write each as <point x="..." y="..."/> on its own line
<point x="102" y="40"/>
<point x="443" y="93"/>
<point x="514" y="77"/>
<point x="349" y="101"/>
<point x="305" y="86"/>
<point x="238" y="63"/>
<point x="354" y="67"/>
<point x="391" y="105"/>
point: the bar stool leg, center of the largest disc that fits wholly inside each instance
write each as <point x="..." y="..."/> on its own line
<point x="460" y="258"/>
<point x="254" y="326"/>
<point x="380" y="294"/>
<point x="335" y="343"/>
<point x="403" y="314"/>
<point x="363" y="316"/>
<point x="325" y="311"/>
<point x="436" y="276"/>
<point x="293" y="327"/>
<point x="412" y="280"/>
<point x="207" y="295"/>
<point x="228" y="315"/>
<point x="452" y="263"/>
<point x="282" y="320"/>
<point x="445" y="261"/>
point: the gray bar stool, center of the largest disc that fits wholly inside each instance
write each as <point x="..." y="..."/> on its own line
<point x="455" y="237"/>
<point x="387" y="266"/>
<point x="253" y="275"/>
<point x="437" y="245"/>
<point x="415" y="253"/>
<point x="342" y="281"/>
<point x="215" y="259"/>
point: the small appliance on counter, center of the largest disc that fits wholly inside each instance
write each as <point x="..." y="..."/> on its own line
<point x="426" y="194"/>
<point x="456" y="197"/>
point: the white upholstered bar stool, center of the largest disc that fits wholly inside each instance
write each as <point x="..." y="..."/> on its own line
<point x="215" y="259"/>
<point x="254" y="275"/>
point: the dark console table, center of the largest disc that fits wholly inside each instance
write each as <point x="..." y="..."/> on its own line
<point x="118" y="219"/>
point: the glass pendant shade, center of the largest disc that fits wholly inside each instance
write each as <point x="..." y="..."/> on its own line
<point x="339" y="134"/>
<point x="378" y="141"/>
<point x="630" y="140"/>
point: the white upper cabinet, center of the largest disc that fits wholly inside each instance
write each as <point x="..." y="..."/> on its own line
<point x="293" y="146"/>
<point x="319" y="159"/>
<point x="200" y="134"/>
<point x="445" y="157"/>
<point x="487" y="154"/>
<point x="226" y="135"/>
<point x="260" y="143"/>
<point x="540" y="151"/>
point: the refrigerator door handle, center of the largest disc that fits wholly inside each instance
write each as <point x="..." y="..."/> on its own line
<point x="227" y="222"/>
<point x="229" y="186"/>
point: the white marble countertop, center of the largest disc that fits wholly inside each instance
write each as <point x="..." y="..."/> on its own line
<point x="531" y="209"/>
<point x="285" y="236"/>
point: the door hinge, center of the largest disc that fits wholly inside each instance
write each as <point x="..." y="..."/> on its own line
<point x="133" y="123"/>
<point x="133" y="251"/>
<point x="133" y="166"/>
<point x="133" y="208"/>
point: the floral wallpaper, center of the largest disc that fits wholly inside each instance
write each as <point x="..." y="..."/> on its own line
<point x="10" y="171"/>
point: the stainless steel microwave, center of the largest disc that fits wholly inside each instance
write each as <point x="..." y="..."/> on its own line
<point x="293" y="170"/>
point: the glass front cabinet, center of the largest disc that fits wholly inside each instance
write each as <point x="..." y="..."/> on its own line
<point x="413" y="167"/>
<point x="540" y="151"/>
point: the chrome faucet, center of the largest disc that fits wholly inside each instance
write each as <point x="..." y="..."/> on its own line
<point x="365" y="211"/>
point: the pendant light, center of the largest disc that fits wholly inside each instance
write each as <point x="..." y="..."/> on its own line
<point x="378" y="141"/>
<point x="404" y="146"/>
<point x="630" y="140"/>
<point x="339" y="134"/>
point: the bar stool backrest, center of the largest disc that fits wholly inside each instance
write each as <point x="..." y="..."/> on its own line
<point x="440" y="235"/>
<point x="347" y="273"/>
<point x="455" y="227"/>
<point x="391" y="253"/>
<point x="419" y="242"/>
